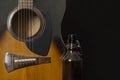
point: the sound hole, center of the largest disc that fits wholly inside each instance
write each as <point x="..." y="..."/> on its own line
<point x="26" y="23"/>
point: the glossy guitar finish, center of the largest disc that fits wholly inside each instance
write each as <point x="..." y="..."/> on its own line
<point x="50" y="44"/>
<point x="13" y="61"/>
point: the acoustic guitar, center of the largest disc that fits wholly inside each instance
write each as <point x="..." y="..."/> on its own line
<point x="31" y="43"/>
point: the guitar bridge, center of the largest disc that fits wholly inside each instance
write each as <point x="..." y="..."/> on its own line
<point x="13" y="62"/>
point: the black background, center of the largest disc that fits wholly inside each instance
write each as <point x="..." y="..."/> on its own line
<point x="92" y="21"/>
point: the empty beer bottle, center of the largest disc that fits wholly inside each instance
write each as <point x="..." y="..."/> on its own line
<point x="72" y="61"/>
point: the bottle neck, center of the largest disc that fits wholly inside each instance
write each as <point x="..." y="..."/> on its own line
<point x="71" y="46"/>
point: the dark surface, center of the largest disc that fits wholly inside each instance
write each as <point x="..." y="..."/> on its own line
<point x="92" y="21"/>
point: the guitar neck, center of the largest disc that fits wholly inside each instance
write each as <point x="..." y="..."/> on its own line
<point x="25" y="3"/>
<point x="13" y="62"/>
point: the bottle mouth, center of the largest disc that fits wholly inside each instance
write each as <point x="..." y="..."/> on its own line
<point x="72" y="38"/>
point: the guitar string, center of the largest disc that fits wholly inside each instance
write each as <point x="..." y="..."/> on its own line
<point x="27" y="13"/>
<point x="31" y="3"/>
<point x="21" y="20"/>
<point x="29" y="24"/>
<point x="20" y="6"/>
<point x="32" y="23"/>
<point x="18" y="20"/>
<point x="26" y="21"/>
<point x="25" y="24"/>
<point x="17" y="26"/>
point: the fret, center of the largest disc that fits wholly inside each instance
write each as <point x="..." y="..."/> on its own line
<point x="26" y="1"/>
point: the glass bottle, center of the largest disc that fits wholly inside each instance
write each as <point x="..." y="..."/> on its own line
<point x="72" y="61"/>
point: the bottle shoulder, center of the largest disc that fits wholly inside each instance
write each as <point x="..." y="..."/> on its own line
<point x="72" y="56"/>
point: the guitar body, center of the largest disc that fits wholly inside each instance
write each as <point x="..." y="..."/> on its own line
<point x="50" y="43"/>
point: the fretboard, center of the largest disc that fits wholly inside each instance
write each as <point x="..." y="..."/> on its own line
<point x="13" y="62"/>
<point x="25" y="3"/>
